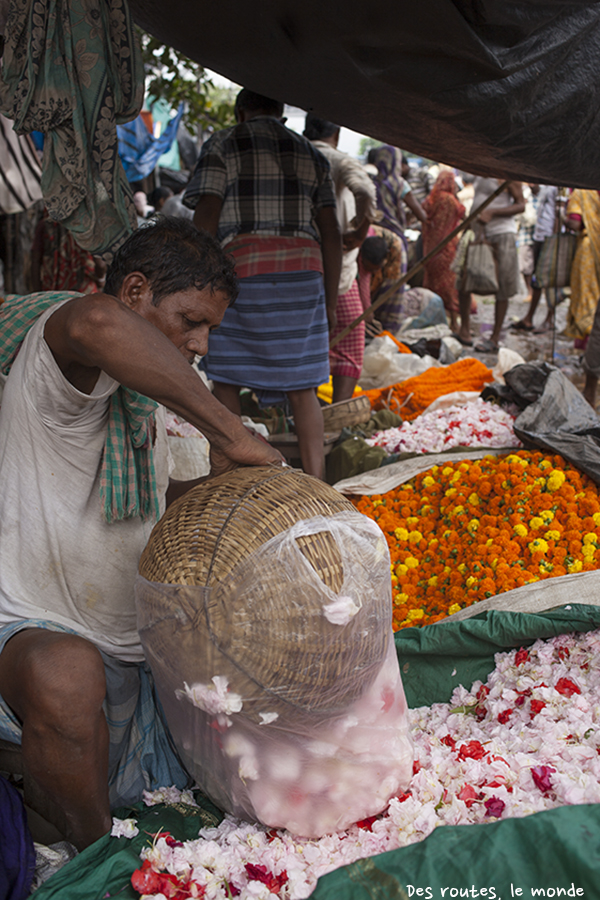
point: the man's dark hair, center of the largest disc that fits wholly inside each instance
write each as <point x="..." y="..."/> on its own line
<point x="174" y="256"/>
<point x="374" y="250"/>
<point x="316" y="129"/>
<point x="252" y="102"/>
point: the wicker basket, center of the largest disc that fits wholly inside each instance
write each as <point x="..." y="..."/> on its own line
<point x="281" y="653"/>
<point x="347" y="413"/>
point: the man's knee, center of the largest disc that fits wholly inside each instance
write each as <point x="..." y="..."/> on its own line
<point x="58" y="678"/>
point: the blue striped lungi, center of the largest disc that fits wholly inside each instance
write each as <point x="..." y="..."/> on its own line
<point x="275" y="338"/>
<point x="141" y="754"/>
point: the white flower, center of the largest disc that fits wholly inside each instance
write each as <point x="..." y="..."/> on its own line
<point x="213" y="699"/>
<point x="267" y="718"/>
<point x="340" y="610"/>
<point x="124" y="828"/>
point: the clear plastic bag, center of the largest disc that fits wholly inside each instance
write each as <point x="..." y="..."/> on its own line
<point x="284" y="696"/>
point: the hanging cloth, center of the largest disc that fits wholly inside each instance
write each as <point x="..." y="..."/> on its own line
<point x="72" y="69"/>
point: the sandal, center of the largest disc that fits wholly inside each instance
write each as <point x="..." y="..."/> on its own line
<point x="486" y="346"/>
<point x="462" y="340"/>
<point x="521" y="326"/>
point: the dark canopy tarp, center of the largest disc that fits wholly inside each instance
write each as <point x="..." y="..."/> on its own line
<point x="490" y="86"/>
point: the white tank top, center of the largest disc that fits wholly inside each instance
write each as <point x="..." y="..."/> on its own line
<point x="59" y="559"/>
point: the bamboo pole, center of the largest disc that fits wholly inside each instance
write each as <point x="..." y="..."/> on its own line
<point x="417" y="267"/>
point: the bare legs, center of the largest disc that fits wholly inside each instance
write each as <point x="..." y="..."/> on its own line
<point x="307" y="416"/>
<point x="55" y="684"/>
<point x="464" y="306"/>
<point x="343" y="387"/>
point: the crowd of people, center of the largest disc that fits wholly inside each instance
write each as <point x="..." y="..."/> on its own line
<point x="279" y="242"/>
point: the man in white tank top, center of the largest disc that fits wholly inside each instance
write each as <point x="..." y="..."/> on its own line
<point x="498" y="221"/>
<point x="67" y="611"/>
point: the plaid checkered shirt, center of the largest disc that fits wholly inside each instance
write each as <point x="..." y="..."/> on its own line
<point x="271" y="180"/>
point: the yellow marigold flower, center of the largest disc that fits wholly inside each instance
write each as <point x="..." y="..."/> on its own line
<point x="411" y="562"/>
<point x="547" y="515"/>
<point x="412" y="522"/>
<point x="575" y="566"/>
<point x="461" y="568"/>
<point x="447" y="533"/>
<point x="590" y="538"/>
<point x="489" y="542"/>
<point x="556" y="480"/>
<point x="545" y="567"/>
<point x="457" y="510"/>
<point x="470" y="581"/>
<point x="520" y="530"/>
<point x="454" y="608"/>
<point x="401" y="570"/>
<point x="588" y="551"/>
<point x="596" y="518"/>
<point x="394" y="581"/>
<point x="415" y="614"/>
<point x="432" y="581"/>
<point x="414" y="537"/>
<point x="447" y="470"/>
<point x="516" y="459"/>
<point x="532" y="579"/>
<point x="505" y="485"/>
<point x="552" y="535"/>
<point x="473" y="525"/>
<point x="402" y="598"/>
<point x="428" y="481"/>
<point x="377" y="503"/>
<point x="451" y="492"/>
<point x="494" y="563"/>
<point x="538" y="546"/>
<point x="474" y="499"/>
<point x="545" y="464"/>
<point x="401" y="534"/>
<point x="433" y="543"/>
<point x="536" y="523"/>
<point x="447" y="570"/>
<point x="455" y="477"/>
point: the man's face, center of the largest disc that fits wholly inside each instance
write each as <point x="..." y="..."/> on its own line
<point x="187" y="318"/>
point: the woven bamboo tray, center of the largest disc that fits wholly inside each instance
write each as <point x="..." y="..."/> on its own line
<point x="267" y="635"/>
<point x="346" y="413"/>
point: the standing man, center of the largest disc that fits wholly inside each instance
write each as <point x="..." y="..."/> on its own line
<point x="500" y="229"/>
<point x="83" y="478"/>
<point x="356" y="209"/>
<point x="267" y="195"/>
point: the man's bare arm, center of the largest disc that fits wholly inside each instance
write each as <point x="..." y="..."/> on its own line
<point x="100" y="333"/>
<point x="207" y="213"/>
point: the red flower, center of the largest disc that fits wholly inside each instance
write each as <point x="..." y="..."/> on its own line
<point x="468" y="794"/>
<point x="449" y="741"/>
<point x="262" y="874"/>
<point x="367" y="824"/>
<point x="521" y="656"/>
<point x="541" y="777"/>
<point x="567" y="687"/>
<point x="472" y="750"/>
<point x="146" y="880"/>
<point x="404" y="796"/>
<point x="504" y="716"/>
<point x="416" y="766"/>
<point x="563" y="652"/>
<point x="494" y="807"/>
<point x="536" y="707"/>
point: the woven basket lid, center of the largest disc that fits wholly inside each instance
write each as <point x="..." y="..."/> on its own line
<point x="238" y="611"/>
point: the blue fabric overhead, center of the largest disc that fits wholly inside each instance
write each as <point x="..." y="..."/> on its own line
<point x="139" y="150"/>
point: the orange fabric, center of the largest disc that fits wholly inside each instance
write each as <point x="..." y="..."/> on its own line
<point x="410" y="398"/>
<point x="401" y="347"/>
<point x="444" y="212"/>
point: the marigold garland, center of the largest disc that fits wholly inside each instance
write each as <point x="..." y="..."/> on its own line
<point x="410" y="398"/>
<point x="467" y="530"/>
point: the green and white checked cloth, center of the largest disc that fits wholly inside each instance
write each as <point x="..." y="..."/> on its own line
<point x="127" y="477"/>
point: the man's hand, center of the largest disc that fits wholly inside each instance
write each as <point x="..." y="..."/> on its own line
<point x="247" y="450"/>
<point x="486" y="216"/>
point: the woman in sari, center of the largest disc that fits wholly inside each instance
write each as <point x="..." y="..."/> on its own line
<point x="583" y="217"/>
<point x="392" y="192"/>
<point x="444" y="213"/>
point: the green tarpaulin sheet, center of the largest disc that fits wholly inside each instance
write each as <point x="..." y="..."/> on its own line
<point x="556" y="849"/>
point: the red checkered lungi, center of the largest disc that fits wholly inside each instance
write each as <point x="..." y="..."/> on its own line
<point x="346" y="358"/>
